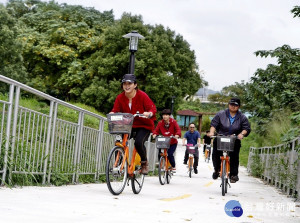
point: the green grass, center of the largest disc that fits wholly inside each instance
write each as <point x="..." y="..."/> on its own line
<point x="277" y="129"/>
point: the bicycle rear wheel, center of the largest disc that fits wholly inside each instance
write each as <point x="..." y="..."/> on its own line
<point x="162" y="174"/>
<point x="224" y="184"/>
<point x="137" y="181"/>
<point x="116" y="174"/>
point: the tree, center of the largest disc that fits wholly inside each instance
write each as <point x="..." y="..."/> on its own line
<point x="277" y="86"/>
<point x="11" y="50"/>
<point x="235" y="90"/>
<point x="76" y="53"/>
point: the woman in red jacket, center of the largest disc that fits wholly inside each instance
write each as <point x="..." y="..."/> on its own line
<point x="133" y="100"/>
<point x="169" y="127"/>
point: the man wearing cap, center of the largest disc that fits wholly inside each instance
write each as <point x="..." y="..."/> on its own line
<point x="169" y="127"/>
<point x="133" y="100"/>
<point x="228" y="122"/>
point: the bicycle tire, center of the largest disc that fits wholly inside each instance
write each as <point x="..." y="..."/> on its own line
<point x="162" y="170"/>
<point x="168" y="177"/>
<point x="208" y="156"/>
<point x="137" y="181"/>
<point x="223" y="177"/>
<point x="226" y="185"/>
<point x="116" y="177"/>
<point x="190" y="167"/>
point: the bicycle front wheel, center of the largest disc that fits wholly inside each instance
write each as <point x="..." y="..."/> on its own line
<point x="190" y="166"/>
<point x="137" y="181"/>
<point x="224" y="183"/>
<point x="168" y="176"/>
<point x="162" y="170"/>
<point x="116" y="171"/>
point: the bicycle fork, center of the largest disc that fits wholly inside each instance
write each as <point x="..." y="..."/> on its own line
<point x="191" y="161"/>
<point x="227" y="166"/>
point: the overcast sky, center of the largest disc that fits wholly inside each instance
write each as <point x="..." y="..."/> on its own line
<point x="223" y="33"/>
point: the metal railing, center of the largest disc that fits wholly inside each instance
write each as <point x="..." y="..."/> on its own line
<point x="278" y="165"/>
<point x="43" y="143"/>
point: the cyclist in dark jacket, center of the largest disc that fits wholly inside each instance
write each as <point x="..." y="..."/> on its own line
<point x="228" y="122"/>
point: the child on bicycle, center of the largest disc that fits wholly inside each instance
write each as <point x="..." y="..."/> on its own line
<point x="133" y="100"/>
<point x="169" y="127"/>
<point x="192" y="136"/>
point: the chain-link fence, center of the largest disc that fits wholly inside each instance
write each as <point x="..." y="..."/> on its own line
<point x="278" y="165"/>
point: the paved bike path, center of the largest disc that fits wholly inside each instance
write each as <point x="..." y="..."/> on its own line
<point x="196" y="199"/>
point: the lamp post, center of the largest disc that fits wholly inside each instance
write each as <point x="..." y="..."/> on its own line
<point x="172" y="102"/>
<point x="134" y="37"/>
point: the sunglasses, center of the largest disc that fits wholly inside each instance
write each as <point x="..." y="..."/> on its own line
<point x="234" y="105"/>
<point x="192" y="127"/>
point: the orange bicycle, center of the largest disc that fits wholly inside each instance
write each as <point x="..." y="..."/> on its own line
<point x="207" y="153"/>
<point x="119" y="170"/>
<point x="164" y="172"/>
<point x="192" y="150"/>
<point x="225" y="144"/>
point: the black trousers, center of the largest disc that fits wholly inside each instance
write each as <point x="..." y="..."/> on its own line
<point x="140" y="135"/>
<point x="234" y="158"/>
<point x="196" y="158"/>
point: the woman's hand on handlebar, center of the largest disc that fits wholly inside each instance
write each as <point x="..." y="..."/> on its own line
<point x="153" y="136"/>
<point x="148" y="114"/>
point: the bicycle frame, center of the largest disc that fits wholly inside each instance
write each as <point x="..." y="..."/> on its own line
<point x="119" y="170"/>
<point x="166" y="177"/>
<point x="226" y="144"/>
<point x="165" y="154"/>
<point x="164" y="173"/>
<point x="131" y="167"/>
<point x="190" y="165"/>
<point x="227" y="162"/>
<point x="191" y="160"/>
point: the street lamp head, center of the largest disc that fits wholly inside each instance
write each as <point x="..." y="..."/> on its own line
<point x="134" y="37"/>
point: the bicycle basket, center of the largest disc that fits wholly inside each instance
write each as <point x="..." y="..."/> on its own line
<point x="225" y="143"/>
<point x="162" y="142"/>
<point x="120" y="123"/>
<point x="191" y="149"/>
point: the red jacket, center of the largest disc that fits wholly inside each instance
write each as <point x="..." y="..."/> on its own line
<point x="173" y="129"/>
<point x="141" y="103"/>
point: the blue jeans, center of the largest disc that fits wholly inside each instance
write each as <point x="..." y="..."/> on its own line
<point x="170" y="152"/>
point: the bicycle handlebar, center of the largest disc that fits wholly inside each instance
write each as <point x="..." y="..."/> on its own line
<point x="215" y="136"/>
<point x="166" y="136"/>
<point x="139" y="115"/>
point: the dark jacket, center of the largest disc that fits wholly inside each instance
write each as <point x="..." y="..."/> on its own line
<point x="222" y="124"/>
